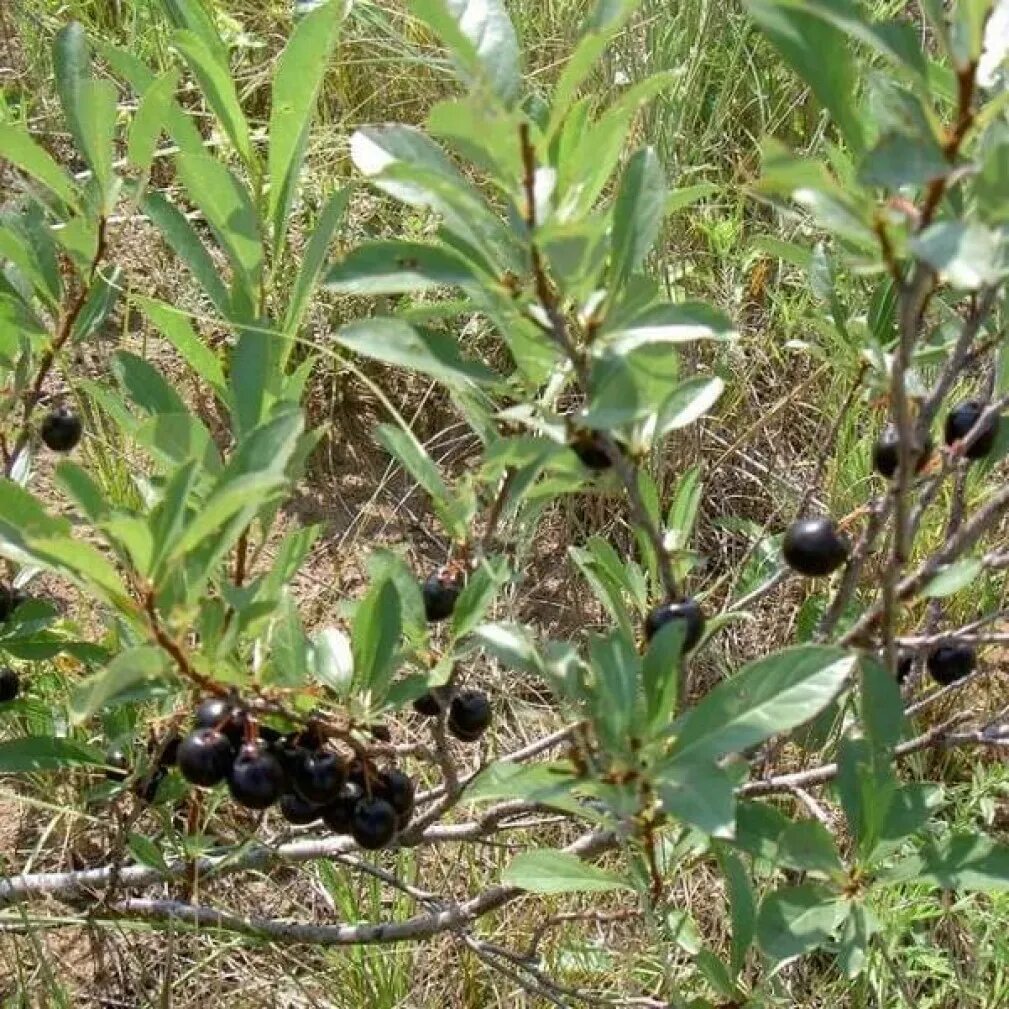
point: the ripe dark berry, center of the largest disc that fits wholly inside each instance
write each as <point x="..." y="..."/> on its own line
<point x="169" y="750"/>
<point x="397" y="789"/>
<point x="318" y="776"/>
<point x="10" y="685"/>
<point x="949" y="663"/>
<point x="440" y="591"/>
<point x="146" y="789"/>
<point x="588" y="446"/>
<point x="61" y="429"/>
<point x="296" y="810"/>
<point x="427" y="705"/>
<point x="962" y="418"/>
<point x="338" y="815"/>
<point x="469" y="715"/>
<point x="886" y="450"/>
<point x="118" y="764"/>
<point x="211" y="712"/>
<point x="814" y="547"/>
<point x="256" y="780"/>
<point x="688" y="611"/>
<point x="373" y="823"/>
<point x="205" y="757"/>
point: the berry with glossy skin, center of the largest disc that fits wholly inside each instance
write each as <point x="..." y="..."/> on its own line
<point x="687" y="610"/>
<point x="10" y="685"/>
<point x="318" y="776"/>
<point x="118" y="761"/>
<point x="813" y="547"/>
<point x="61" y="429"/>
<point x="440" y="592"/>
<point x="469" y="715"/>
<point x="256" y="780"/>
<point x="338" y="815"/>
<point x="885" y="452"/>
<point x="205" y="757"/>
<point x="949" y="663"/>
<point x="427" y="705"/>
<point x="373" y="823"/>
<point x="212" y="712"/>
<point x="959" y="422"/>
<point x="296" y="810"/>
<point x="397" y="789"/>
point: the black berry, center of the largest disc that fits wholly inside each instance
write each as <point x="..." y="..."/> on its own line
<point x="949" y="663"/>
<point x="687" y="611"/>
<point x="168" y="750"/>
<point x="440" y="592"/>
<point x="212" y="712"/>
<point x="10" y="685"/>
<point x="296" y="810"/>
<point x="256" y="780"/>
<point x="118" y="764"/>
<point x="318" y="776"/>
<point x="469" y="715"/>
<point x="427" y="705"/>
<point x="886" y="450"/>
<point x="205" y="757"/>
<point x="373" y="823"/>
<point x="959" y="423"/>
<point x="61" y="429"/>
<point x="397" y="789"/>
<point x="589" y="448"/>
<point x="814" y="547"/>
<point x="339" y="814"/>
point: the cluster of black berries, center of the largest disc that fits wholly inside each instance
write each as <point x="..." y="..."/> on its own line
<point x="946" y="664"/>
<point x="308" y="781"/>
<point x="469" y="711"/>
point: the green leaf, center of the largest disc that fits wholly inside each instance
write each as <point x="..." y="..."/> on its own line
<point x="796" y="919"/>
<point x="637" y="213"/>
<point x="296" y="83"/>
<point x="819" y="54"/>
<point x="951" y="578"/>
<point x="97" y="117"/>
<point x="702" y="795"/>
<point x="856" y="933"/>
<point x="866" y="785"/>
<point x="511" y="644"/>
<point x="18" y="147"/>
<point x="549" y="784"/>
<point x="185" y="243"/>
<point x="742" y="905"/>
<point x="808" y="846"/>
<point x="146" y="852"/>
<point x="314" y="258"/>
<point x="45" y="753"/>
<point x="72" y="68"/>
<point x="393" y="267"/>
<point x="545" y="871"/>
<point x="767" y="696"/>
<point x="630" y="386"/>
<point x="331" y="659"/>
<point x="958" y="862"/>
<point x="475" y="599"/>
<point x="174" y="326"/>
<point x="395" y="342"/>
<point x="149" y="121"/>
<point x="667" y="323"/>
<point x="144" y="384"/>
<point x="210" y="68"/>
<point x="966" y="255"/>
<point x="229" y="211"/>
<point x="375" y="637"/>
<point x="117" y="681"/>
<point x="880" y="706"/>
<point x="482" y="41"/>
<point x="660" y="673"/>
<point x="898" y="160"/>
<point x="102" y="297"/>
<point x="689" y="401"/>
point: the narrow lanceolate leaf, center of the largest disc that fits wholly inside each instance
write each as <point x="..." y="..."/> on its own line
<point x="210" y="68"/>
<point x="175" y="327"/>
<point x="482" y="40"/>
<point x="546" y="871"/>
<point x="117" y="681"/>
<point x="967" y="255"/>
<point x="17" y="146"/>
<point x="72" y="67"/>
<point x="375" y="638"/>
<point x="637" y="213"/>
<point x="44" y="753"/>
<point x="689" y="402"/>
<point x="398" y="268"/>
<point x="300" y="70"/>
<point x="771" y="695"/>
